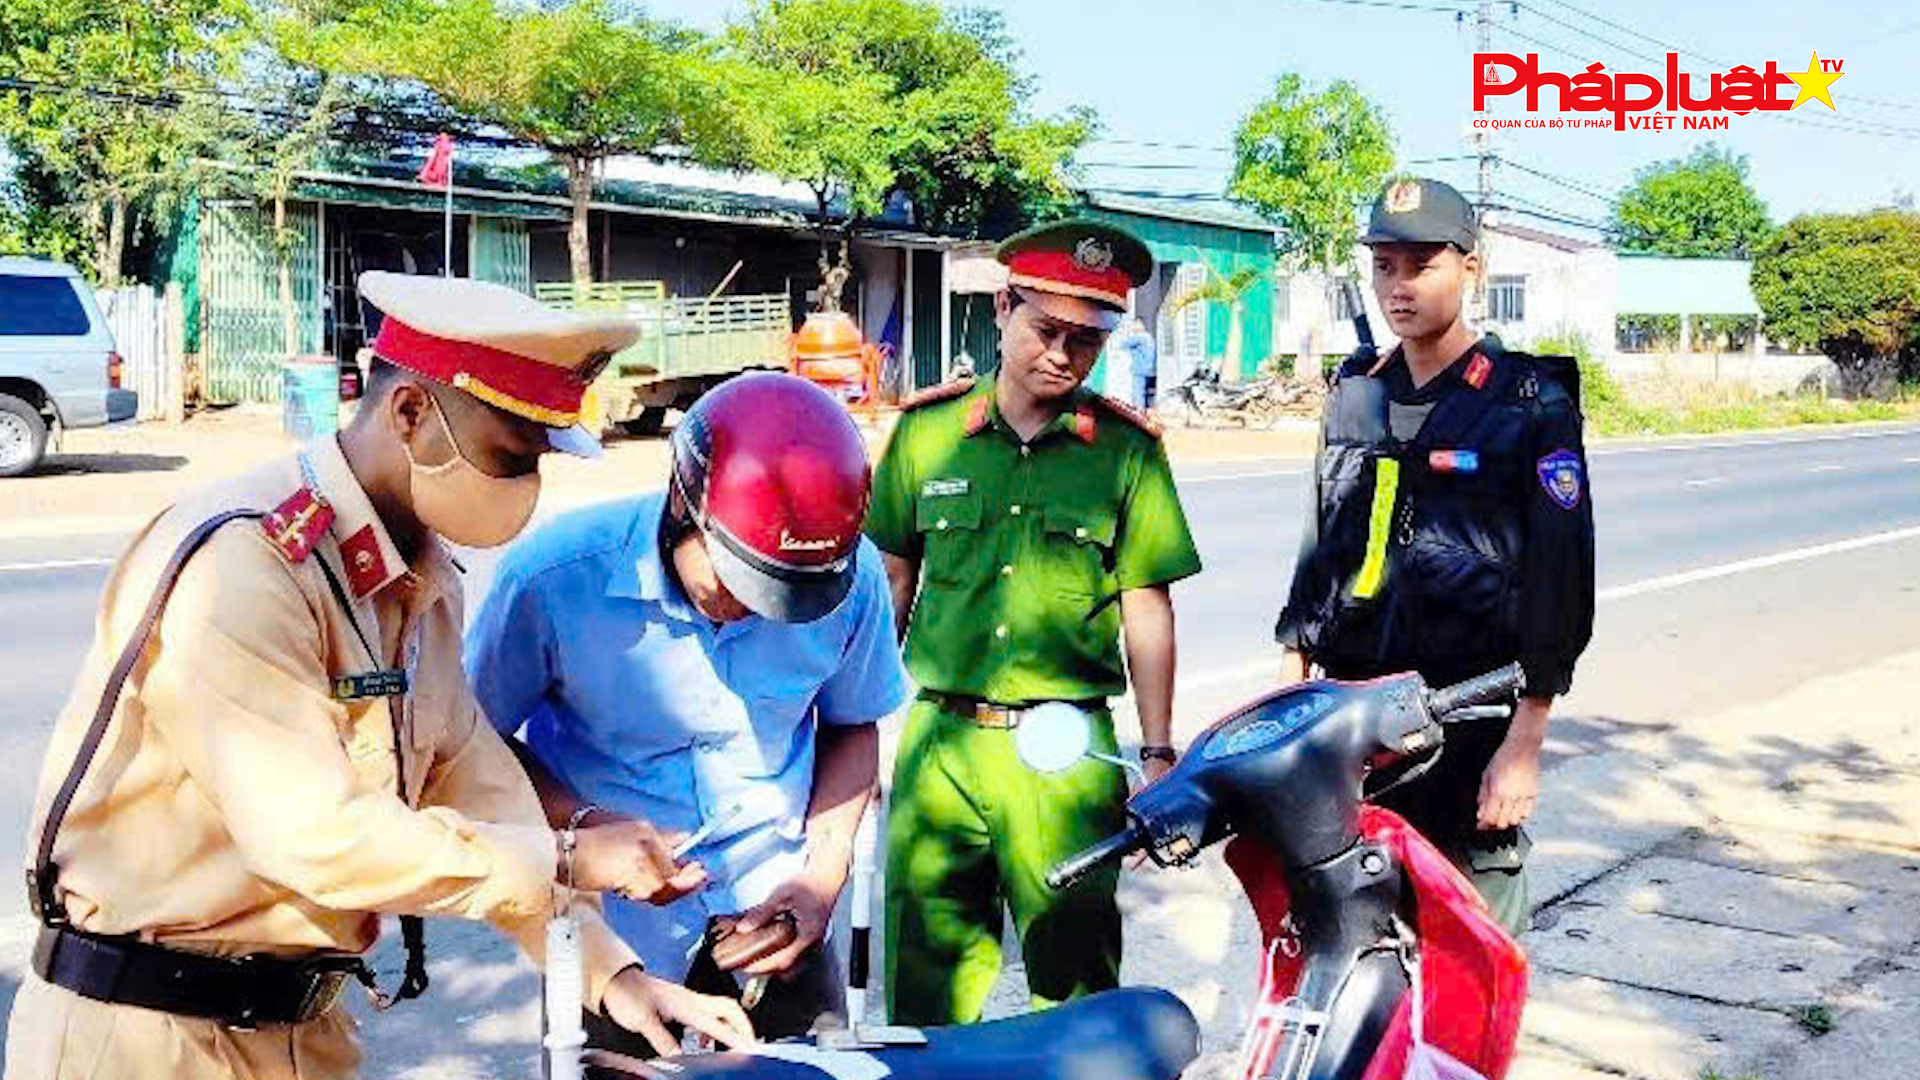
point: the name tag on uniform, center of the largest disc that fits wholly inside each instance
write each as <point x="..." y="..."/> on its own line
<point x="954" y="486"/>
<point x="372" y="684"/>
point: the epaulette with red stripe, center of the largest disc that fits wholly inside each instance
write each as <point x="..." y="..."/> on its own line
<point x="1131" y="415"/>
<point x="943" y="392"/>
<point x="296" y="525"/>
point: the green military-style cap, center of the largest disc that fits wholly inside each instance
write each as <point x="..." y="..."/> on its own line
<point x="1421" y="211"/>
<point x="1089" y="260"/>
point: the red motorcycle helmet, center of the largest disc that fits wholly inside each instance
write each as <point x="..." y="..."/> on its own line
<point x="775" y="477"/>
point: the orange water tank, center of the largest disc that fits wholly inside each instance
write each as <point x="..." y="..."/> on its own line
<point x="828" y="352"/>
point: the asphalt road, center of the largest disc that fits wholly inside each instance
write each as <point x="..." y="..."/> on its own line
<point x="1729" y="570"/>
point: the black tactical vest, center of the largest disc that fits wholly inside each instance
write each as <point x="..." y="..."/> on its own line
<point x="1420" y="534"/>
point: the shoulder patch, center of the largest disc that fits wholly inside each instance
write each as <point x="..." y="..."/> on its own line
<point x="1478" y="371"/>
<point x="933" y="394"/>
<point x="1131" y="415"/>
<point x="296" y="525"/>
<point x="1561" y="475"/>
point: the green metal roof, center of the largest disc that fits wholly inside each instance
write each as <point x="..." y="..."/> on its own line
<point x="543" y="179"/>
<point x="351" y="191"/>
<point x="1216" y="212"/>
<point x="1664" y="285"/>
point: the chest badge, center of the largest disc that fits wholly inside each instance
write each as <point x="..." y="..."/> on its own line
<point x="956" y="485"/>
<point x="1453" y="461"/>
<point x="372" y="684"/>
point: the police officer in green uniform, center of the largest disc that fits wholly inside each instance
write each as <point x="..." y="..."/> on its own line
<point x="1453" y="534"/>
<point x="1027" y="525"/>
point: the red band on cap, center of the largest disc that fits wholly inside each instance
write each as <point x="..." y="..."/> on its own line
<point x="1058" y="271"/>
<point x="541" y="392"/>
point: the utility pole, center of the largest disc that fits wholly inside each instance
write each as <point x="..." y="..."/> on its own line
<point x="1483" y="148"/>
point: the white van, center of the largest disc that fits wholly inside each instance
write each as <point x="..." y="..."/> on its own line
<point x="57" y="360"/>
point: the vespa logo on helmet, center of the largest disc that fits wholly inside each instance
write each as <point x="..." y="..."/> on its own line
<point x="790" y="542"/>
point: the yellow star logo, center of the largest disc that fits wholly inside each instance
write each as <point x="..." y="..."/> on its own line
<point x="1813" y="83"/>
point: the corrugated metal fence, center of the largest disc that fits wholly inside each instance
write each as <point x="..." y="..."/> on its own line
<point x="138" y="316"/>
<point x="244" y="342"/>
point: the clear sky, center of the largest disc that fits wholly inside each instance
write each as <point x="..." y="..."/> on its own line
<point x="1182" y="73"/>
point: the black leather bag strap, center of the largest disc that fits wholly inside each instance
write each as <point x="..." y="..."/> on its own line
<point x="42" y="880"/>
<point x="413" y="929"/>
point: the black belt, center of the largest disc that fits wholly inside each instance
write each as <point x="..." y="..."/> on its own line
<point x="241" y="992"/>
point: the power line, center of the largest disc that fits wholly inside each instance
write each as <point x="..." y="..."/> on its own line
<point x="1886" y="103"/>
<point x="1162" y="145"/>
<point x="1582" y="30"/>
<point x="1553" y="178"/>
<point x="238" y="103"/>
<point x="1154" y="193"/>
<point x="1841" y="125"/>
<point x="1570" y="215"/>
<point x="1149" y="165"/>
<point x="1396" y="5"/>
<point x="1547" y="215"/>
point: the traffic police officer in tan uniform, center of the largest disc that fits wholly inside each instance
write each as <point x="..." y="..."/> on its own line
<point x="1027" y="524"/>
<point x="252" y="770"/>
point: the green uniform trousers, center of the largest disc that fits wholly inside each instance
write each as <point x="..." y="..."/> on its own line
<point x="970" y="829"/>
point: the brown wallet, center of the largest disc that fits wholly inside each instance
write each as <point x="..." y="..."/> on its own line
<point x="732" y="949"/>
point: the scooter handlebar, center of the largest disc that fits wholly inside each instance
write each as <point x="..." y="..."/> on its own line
<point x="1117" y="846"/>
<point x="1485" y="689"/>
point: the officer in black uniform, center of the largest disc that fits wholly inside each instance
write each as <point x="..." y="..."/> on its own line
<point x="1452" y="534"/>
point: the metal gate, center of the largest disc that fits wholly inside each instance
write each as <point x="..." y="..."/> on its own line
<point x="501" y="252"/>
<point x="242" y="341"/>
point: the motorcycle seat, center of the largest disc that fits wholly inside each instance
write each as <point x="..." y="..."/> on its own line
<point x="1137" y="1033"/>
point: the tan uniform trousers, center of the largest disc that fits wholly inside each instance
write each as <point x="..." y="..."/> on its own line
<point x="56" y="1034"/>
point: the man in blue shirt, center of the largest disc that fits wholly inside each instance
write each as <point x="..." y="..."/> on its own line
<point x="715" y="656"/>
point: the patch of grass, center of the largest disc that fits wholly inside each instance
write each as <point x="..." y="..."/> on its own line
<point x="1815" y="1019"/>
<point x="1657" y="407"/>
<point x="1665" y="406"/>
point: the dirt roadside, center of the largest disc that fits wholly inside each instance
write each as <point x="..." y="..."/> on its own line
<point x="110" y="480"/>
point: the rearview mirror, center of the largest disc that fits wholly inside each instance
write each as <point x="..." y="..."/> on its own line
<point x="1054" y="736"/>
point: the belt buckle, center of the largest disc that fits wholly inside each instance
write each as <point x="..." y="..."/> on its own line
<point x="323" y="992"/>
<point x="995" y="717"/>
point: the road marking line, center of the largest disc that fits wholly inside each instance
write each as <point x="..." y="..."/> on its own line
<point x="1706" y="481"/>
<point x="1708" y="573"/>
<point x="1269" y="666"/>
<point x="1913" y="461"/>
<point x="1604" y="450"/>
<point x="1825" y="468"/>
<point x="63" y="564"/>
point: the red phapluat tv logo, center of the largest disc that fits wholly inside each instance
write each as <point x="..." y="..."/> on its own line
<point x="1739" y="90"/>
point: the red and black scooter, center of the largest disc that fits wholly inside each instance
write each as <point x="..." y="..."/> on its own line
<point x="1381" y="962"/>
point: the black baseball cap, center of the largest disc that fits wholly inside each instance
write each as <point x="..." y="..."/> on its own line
<point x="1420" y="211"/>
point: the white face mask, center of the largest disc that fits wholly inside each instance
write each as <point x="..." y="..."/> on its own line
<point x="466" y="505"/>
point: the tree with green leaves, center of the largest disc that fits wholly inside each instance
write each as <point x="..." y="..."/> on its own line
<point x="585" y="80"/>
<point x="858" y="99"/>
<point x="32" y="221"/>
<point x="1849" y="286"/>
<point x="1306" y="160"/>
<point x="1229" y="291"/>
<point x="1702" y="205"/>
<point x="108" y="106"/>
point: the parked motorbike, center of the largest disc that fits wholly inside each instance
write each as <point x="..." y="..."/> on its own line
<point x="1380" y="960"/>
<point x="1205" y="401"/>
